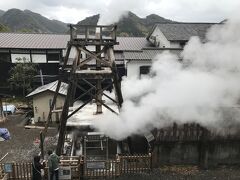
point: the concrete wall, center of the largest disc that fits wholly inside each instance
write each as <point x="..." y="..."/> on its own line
<point x="41" y="106"/>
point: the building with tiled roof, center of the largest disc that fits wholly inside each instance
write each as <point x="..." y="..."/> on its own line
<point x="132" y="53"/>
<point x="175" y="35"/>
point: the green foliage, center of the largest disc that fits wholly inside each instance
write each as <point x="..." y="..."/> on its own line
<point x="22" y="74"/>
<point x="4" y="28"/>
<point x="25" y="30"/>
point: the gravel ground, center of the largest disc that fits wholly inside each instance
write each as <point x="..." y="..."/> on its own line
<point x="23" y="146"/>
<point x="24" y="143"/>
<point x="187" y="173"/>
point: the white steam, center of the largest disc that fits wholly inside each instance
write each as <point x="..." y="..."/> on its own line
<point x="203" y="88"/>
<point x="115" y="10"/>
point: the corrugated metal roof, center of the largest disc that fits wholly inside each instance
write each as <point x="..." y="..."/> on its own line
<point x="183" y="31"/>
<point x="50" y="87"/>
<point x="59" y="41"/>
<point x="33" y="41"/>
<point x="149" y="54"/>
<point x="131" y="43"/>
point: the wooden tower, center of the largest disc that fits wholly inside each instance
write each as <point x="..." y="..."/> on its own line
<point x="94" y="64"/>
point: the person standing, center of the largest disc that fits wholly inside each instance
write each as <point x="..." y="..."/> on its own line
<point x="37" y="168"/>
<point x="53" y="164"/>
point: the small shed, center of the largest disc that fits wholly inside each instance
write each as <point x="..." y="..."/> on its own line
<point x="42" y="99"/>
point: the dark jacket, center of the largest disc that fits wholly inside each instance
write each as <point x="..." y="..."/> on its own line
<point x="53" y="162"/>
<point x="36" y="168"/>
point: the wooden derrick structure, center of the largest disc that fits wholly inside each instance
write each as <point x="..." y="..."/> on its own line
<point x="97" y="69"/>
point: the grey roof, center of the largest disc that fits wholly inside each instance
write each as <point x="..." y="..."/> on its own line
<point x="50" y="87"/>
<point x="59" y="41"/>
<point x="149" y="54"/>
<point x="183" y="31"/>
<point x="131" y="43"/>
<point x="33" y="41"/>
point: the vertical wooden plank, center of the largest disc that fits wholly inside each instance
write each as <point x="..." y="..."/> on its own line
<point x="24" y="169"/>
<point x="12" y="174"/>
<point x="17" y="171"/>
<point x="27" y="171"/>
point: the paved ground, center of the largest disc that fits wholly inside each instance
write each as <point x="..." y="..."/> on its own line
<point x="23" y="145"/>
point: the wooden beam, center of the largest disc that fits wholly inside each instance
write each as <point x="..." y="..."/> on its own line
<point x="63" y="120"/>
<point x="116" y="81"/>
<point x="56" y="93"/>
<point x="85" y="93"/>
<point x="110" y="98"/>
<point x="80" y="107"/>
<point x="90" y="58"/>
<point x="41" y="144"/>
<point x="94" y="56"/>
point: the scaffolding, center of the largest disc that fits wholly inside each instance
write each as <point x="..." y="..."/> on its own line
<point x="93" y="64"/>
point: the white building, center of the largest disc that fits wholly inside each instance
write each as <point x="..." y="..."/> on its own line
<point x="42" y="98"/>
<point x="176" y="35"/>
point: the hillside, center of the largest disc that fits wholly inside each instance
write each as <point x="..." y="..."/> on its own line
<point x="1" y="12"/>
<point x="131" y="25"/>
<point x="28" y="21"/>
<point x="4" y="28"/>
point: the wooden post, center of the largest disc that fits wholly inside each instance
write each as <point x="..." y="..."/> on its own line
<point x="203" y="150"/>
<point x="99" y="84"/>
<point x="81" y="169"/>
<point x="41" y="144"/>
<point x="64" y="116"/>
<point x="56" y="93"/>
<point x="116" y="82"/>
<point x="1" y="108"/>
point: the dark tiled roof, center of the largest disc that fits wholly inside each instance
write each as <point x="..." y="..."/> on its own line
<point x="183" y="31"/>
<point x="59" y="41"/>
<point x="148" y="54"/>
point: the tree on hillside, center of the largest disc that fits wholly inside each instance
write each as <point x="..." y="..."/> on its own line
<point x="4" y="28"/>
<point x="22" y="74"/>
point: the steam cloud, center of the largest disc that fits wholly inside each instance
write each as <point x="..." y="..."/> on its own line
<point x="203" y="88"/>
<point x="115" y="10"/>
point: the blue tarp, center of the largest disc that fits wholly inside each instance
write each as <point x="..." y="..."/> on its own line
<point x="4" y="133"/>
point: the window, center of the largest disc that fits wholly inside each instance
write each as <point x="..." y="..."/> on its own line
<point x="53" y="57"/>
<point x="182" y="44"/>
<point x="144" y="70"/>
<point x="5" y="57"/>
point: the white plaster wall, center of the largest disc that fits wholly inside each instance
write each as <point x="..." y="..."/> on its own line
<point x="160" y="38"/>
<point x="175" y="45"/>
<point x="41" y="106"/>
<point x="16" y="56"/>
<point x="39" y="58"/>
<point x="133" y="67"/>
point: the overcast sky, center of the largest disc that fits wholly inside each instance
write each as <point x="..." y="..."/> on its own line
<point x="72" y="11"/>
